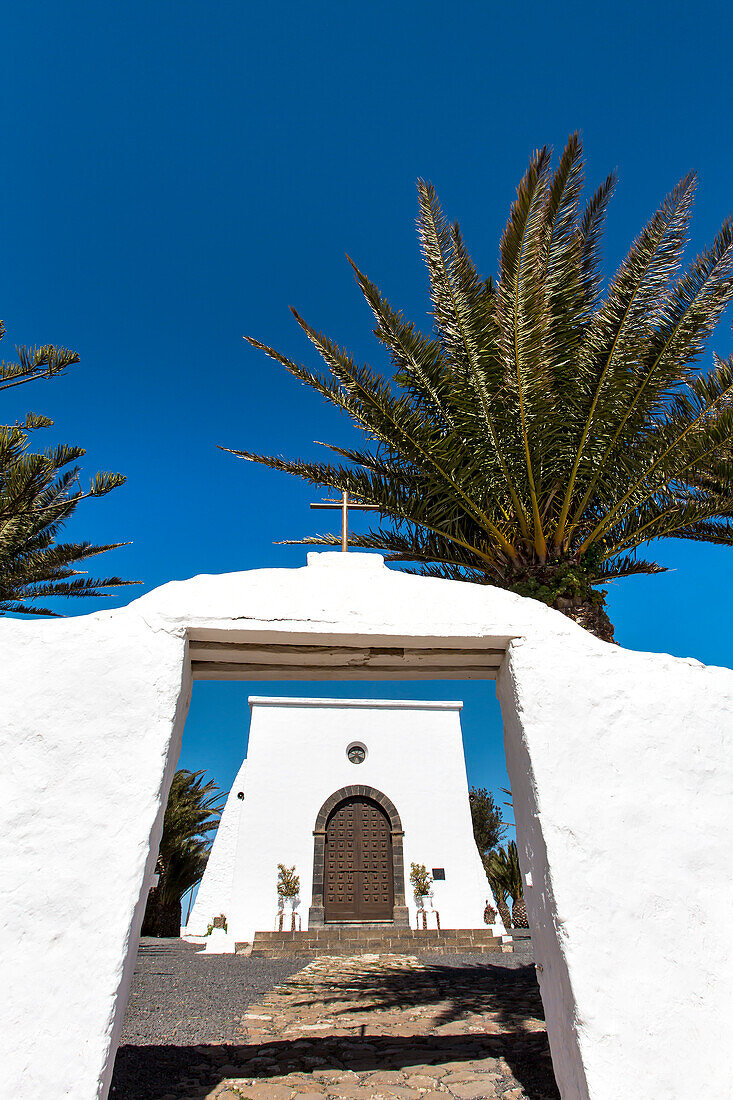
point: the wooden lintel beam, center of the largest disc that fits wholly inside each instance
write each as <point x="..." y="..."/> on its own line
<point x="242" y="670"/>
<point x="285" y="648"/>
<point x="245" y="653"/>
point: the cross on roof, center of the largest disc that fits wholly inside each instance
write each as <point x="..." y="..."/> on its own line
<point x="344" y="504"/>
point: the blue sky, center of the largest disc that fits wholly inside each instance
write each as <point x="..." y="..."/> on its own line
<point x="178" y="174"/>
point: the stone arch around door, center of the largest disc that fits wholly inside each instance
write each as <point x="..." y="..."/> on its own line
<point x="316" y="913"/>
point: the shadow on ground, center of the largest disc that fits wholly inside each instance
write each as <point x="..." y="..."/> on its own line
<point x="149" y="1072"/>
<point x="511" y="996"/>
<point x="508" y="998"/>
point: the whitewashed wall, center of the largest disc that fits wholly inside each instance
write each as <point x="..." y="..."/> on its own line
<point x="621" y="767"/>
<point x="214" y="895"/>
<point x="621" y="763"/>
<point x="296" y="759"/>
<point x="90" y="731"/>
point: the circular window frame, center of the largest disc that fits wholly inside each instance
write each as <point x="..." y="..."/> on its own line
<point x="356" y="745"/>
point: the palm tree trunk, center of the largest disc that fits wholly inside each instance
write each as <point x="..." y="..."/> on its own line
<point x="162" y="917"/>
<point x="504" y="913"/>
<point x="519" y="913"/>
<point x="589" y="614"/>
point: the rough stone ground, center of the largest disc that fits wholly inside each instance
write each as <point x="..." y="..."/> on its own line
<point x="372" y="1027"/>
<point x="180" y="995"/>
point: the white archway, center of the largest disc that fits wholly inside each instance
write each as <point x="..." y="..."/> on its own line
<point x="620" y="764"/>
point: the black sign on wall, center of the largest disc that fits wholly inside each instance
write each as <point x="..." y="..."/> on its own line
<point x="438" y="873"/>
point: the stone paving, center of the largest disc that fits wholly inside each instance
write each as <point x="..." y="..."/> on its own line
<point x="387" y="1027"/>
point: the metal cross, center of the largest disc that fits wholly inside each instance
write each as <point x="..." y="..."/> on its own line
<point x="344" y="504"/>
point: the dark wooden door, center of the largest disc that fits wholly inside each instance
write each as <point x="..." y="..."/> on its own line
<point x="358" y="883"/>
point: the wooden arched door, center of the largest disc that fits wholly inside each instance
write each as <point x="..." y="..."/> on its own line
<point x="358" y="881"/>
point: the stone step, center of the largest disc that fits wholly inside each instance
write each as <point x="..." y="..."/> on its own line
<point x="375" y="945"/>
<point x="346" y="950"/>
<point x="358" y="940"/>
<point x="374" y="933"/>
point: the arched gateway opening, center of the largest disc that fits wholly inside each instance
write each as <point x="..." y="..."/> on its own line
<point x="358" y="870"/>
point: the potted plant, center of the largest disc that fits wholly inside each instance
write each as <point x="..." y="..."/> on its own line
<point x="288" y="889"/>
<point x="422" y="887"/>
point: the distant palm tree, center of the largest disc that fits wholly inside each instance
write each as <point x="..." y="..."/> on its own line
<point x="546" y="429"/>
<point x="39" y="491"/>
<point x="505" y="876"/>
<point x="498" y="888"/>
<point x="191" y="816"/>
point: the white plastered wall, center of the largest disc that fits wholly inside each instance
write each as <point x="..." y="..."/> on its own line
<point x="91" y="717"/>
<point x="214" y="896"/>
<point x="621" y="766"/>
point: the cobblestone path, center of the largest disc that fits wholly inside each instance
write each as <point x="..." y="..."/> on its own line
<point x="390" y="1027"/>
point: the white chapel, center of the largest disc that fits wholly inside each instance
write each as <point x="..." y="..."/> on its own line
<point x="350" y="792"/>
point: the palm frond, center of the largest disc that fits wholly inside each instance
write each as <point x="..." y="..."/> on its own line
<point x="546" y="429"/>
<point x="39" y="492"/>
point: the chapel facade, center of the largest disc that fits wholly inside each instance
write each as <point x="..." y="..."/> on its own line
<point x="350" y="793"/>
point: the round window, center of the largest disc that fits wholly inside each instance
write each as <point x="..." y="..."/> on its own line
<point x="356" y="753"/>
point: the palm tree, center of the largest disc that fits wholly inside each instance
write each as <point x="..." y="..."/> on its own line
<point x="38" y="493"/>
<point x="545" y="430"/>
<point x="498" y="889"/>
<point x="191" y="816"/>
<point x="504" y="871"/>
